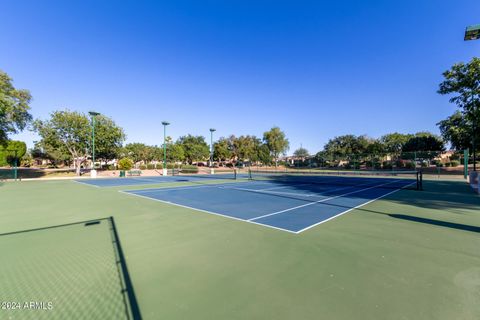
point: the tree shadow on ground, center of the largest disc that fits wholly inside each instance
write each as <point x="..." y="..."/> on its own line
<point x="449" y="196"/>
<point x="29" y="173"/>
<point x="434" y="222"/>
<point x="22" y="173"/>
<point x="439" y="223"/>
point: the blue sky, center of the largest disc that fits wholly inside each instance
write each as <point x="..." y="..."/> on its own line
<point x="316" y="69"/>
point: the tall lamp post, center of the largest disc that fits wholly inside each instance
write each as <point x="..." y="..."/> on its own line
<point x="473" y="33"/>
<point x="93" y="172"/>
<point x="212" y="171"/>
<point x="165" y="124"/>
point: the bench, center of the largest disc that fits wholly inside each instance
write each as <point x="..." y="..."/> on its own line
<point x="132" y="173"/>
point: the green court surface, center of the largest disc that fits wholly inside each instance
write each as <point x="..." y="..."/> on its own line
<point x="410" y="255"/>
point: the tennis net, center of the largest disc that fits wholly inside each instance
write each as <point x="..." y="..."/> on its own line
<point x="206" y="174"/>
<point x="380" y="179"/>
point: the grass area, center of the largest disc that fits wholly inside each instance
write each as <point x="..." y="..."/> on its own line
<point x="411" y="255"/>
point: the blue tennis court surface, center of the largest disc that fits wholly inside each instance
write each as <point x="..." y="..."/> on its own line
<point x="116" y="182"/>
<point x="290" y="207"/>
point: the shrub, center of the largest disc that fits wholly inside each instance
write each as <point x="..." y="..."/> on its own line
<point x="387" y="165"/>
<point x="455" y="156"/>
<point x="143" y="167"/>
<point x="410" y="165"/>
<point x="125" y="164"/>
<point x="189" y="169"/>
<point x="455" y="163"/>
<point x="439" y="164"/>
<point x="150" y="166"/>
<point x="424" y="164"/>
<point x="402" y="164"/>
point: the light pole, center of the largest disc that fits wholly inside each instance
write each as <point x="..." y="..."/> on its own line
<point x="165" y="124"/>
<point x="473" y="33"/>
<point x="93" y="172"/>
<point x="212" y="171"/>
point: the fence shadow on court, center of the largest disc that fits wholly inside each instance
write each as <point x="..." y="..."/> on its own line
<point x="439" y="223"/>
<point x="79" y="268"/>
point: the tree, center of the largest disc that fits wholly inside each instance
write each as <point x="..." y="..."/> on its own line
<point x="463" y="81"/>
<point x="257" y="156"/>
<point x="423" y="145"/>
<point x="321" y="158"/>
<point x="221" y="150"/>
<point x="175" y="152"/>
<point x="71" y="131"/>
<point x="347" y="146"/>
<point x="55" y="153"/>
<point x="195" y="148"/>
<point x="394" y="142"/>
<point x="457" y="132"/>
<point x="14" y="107"/>
<point x="424" y="141"/>
<point x="11" y="153"/>
<point x="108" y="138"/>
<point x="375" y="147"/>
<point x="276" y="142"/>
<point x="246" y="147"/>
<point x="233" y="148"/>
<point x="138" y="152"/>
<point x="263" y="154"/>
<point x="301" y="153"/>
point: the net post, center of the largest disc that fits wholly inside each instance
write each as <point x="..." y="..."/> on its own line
<point x="415" y="160"/>
<point x="419" y="180"/>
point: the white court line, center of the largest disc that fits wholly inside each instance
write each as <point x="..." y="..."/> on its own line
<point x="319" y="201"/>
<point x="277" y="192"/>
<point x="210" y="212"/>
<point x="120" y="185"/>
<point x="348" y="210"/>
<point x="275" y="188"/>
<point x="87" y="184"/>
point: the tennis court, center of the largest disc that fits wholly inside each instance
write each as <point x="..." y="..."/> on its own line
<point x="289" y="202"/>
<point x="408" y="248"/>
